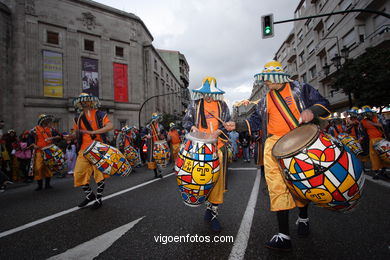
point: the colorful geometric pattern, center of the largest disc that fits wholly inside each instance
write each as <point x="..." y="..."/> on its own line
<point x="107" y="159"/>
<point x="132" y="155"/>
<point x="161" y="153"/>
<point x="53" y="157"/>
<point x="351" y="143"/>
<point x="197" y="171"/>
<point x="383" y="149"/>
<point x="326" y="172"/>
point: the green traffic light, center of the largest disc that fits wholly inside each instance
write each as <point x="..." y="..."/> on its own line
<point x="267" y="30"/>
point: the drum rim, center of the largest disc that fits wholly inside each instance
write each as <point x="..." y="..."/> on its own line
<point x="300" y="149"/>
<point x="47" y="146"/>
<point x="89" y="148"/>
<point x="193" y="138"/>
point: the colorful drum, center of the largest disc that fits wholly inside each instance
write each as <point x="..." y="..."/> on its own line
<point x="53" y="157"/>
<point x="383" y="149"/>
<point x="351" y="143"/>
<point x="319" y="168"/>
<point x="132" y="156"/>
<point x="197" y="168"/>
<point x="107" y="159"/>
<point x="161" y="153"/>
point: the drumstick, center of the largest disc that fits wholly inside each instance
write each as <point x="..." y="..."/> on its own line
<point x="219" y="119"/>
<point x="238" y="104"/>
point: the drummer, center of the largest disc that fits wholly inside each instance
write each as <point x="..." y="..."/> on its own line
<point x="287" y="104"/>
<point x="153" y="132"/>
<point x="205" y="115"/>
<point x="174" y="138"/>
<point x="375" y="132"/>
<point x="125" y="138"/>
<point x="41" y="136"/>
<point x="90" y="125"/>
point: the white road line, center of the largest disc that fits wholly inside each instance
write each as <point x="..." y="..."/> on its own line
<point x="241" y="241"/>
<point x="243" y="169"/>
<point x="380" y="182"/>
<point x="92" y="248"/>
<point x="59" y="214"/>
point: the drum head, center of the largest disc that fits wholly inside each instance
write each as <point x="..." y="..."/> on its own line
<point x="295" y="140"/>
<point x="200" y="137"/>
<point x="46" y="147"/>
<point x="89" y="148"/>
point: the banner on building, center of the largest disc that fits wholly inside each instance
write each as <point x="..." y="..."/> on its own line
<point x="120" y="83"/>
<point x="52" y="74"/>
<point x="90" y="76"/>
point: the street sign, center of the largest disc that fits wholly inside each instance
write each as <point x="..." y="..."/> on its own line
<point x="267" y="26"/>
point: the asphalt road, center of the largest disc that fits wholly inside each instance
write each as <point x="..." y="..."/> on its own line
<point x="138" y="210"/>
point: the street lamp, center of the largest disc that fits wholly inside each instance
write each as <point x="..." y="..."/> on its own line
<point x="336" y="60"/>
<point x="345" y="52"/>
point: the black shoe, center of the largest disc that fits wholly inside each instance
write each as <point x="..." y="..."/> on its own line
<point x="208" y="215"/>
<point x="303" y="226"/>
<point x="158" y="176"/>
<point x="279" y="242"/>
<point x="97" y="204"/>
<point x="215" y="225"/>
<point x="86" y="201"/>
<point x="38" y="188"/>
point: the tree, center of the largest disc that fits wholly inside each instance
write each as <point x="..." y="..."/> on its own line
<point x="367" y="78"/>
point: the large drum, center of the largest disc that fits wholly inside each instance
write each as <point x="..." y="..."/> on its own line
<point x="107" y="159"/>
<point x="53" y="158"/>
<point x="319" y="168"/>
<point x="351" y="143"/>
<point x="132" y="156"/>
<point x="383" y="149"/>
<point x="197" y="168"/>
<point x="161" y="153"/>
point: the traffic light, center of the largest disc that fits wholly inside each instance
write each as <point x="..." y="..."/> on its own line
<point x="267" y="25"/>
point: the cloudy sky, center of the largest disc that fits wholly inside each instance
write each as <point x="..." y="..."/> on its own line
<point x="219" y="38"/>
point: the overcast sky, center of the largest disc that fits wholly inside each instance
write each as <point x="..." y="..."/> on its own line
<point x="219" y="38"/>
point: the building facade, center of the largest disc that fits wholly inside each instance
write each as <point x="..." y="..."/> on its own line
<point x="316" y="48"/>
<point x="57" y="49"/>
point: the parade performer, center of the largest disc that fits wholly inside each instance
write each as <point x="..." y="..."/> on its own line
<point x="174" y="138"/>
<point x="202" y="115"/>
<point x="89" y="125"/>
<point x="153" y="132"/>
<point x="287" y="104"/>
<point x="375" y="132"/>
<point x="41" y="136"/>
<point x="125" y="140"/>
<point x="336" y="126"/>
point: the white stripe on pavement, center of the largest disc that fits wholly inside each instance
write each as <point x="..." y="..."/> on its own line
<point x="243" y="169"/>
<point x="380" y="182"/>
<point x="59" y="214"/>
<point x="241" y="241"/>
<point x="92" y="248"/>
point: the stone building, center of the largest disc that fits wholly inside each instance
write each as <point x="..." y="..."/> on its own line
<point x="316" y="48"/>
<point x="51" y="51"/>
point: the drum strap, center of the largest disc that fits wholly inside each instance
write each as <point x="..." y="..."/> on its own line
<point x="87" y="125"/>
<point x="284" y="109"/>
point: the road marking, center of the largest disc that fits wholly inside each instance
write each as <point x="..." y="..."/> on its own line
<point x="243" y="169"/>
<point x="241" y="240"/>
<point x="92" y="248"/>
<point x="380" y="182"/>
<point x="59" y="214"/>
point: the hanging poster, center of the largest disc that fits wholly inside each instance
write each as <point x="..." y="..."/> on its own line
<point x="90" y="76"/>
<point x="52" y="74"/>
<point x="120" y="82"/>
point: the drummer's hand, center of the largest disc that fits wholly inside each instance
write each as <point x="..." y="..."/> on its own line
<point x="215" y="134"/>
<point x="35" y="146"/>
<point x="194" y="129"/>
<point x="306" y="116"/>
<point x="230" y="126"/>
<point x="245" y="102"/>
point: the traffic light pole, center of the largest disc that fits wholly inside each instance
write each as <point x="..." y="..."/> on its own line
<point x="338" y="12"/>
<point x="143" y="104"/>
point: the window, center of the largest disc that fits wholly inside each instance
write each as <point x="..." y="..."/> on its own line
<point x="349" y="38"/>
<point x="300" y="35"/>
<point x="345" y="4"/>
<point x="302" y="57"/>
<point x="118" y="51"/>
<point x="310" y="47"/>
<point x="309" y="24"/>
<point x="155" y="64"/>
<point x="52" y="37"/>
<point x="122" y="123"/>
<point x="304" y="79"/>
<point x="329" y="22"/>
<point x="162" y="72"/>
<point x="88" y="45"/>
<point x="313" y="72"/>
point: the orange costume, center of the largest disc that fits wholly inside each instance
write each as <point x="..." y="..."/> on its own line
<point x="175" y="142"/>
<point x="375" y="135"/>
<point x="84" y="169"/>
